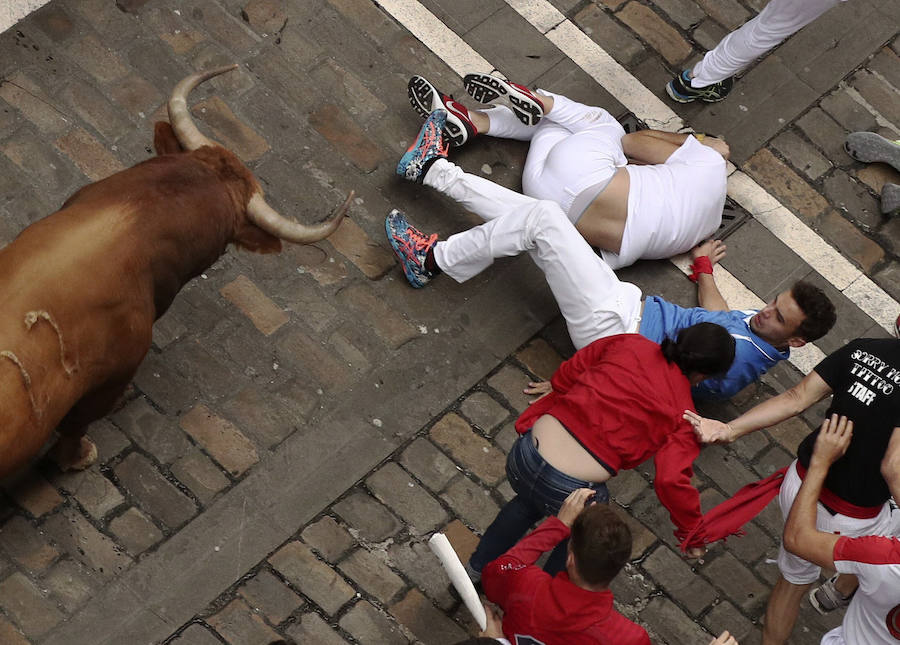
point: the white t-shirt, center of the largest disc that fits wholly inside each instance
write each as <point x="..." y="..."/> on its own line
<point x="873" y="617"/>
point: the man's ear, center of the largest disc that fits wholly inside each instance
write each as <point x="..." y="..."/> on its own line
<point x="796" y="341"/>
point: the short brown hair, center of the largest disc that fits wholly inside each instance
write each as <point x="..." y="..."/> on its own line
<point x="601" y="544"/>
<point x="818" y="311"/>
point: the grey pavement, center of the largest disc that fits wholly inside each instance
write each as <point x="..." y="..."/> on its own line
<point x="304" y="421"/>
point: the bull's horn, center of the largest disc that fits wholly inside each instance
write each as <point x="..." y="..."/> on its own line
<point x="265" y="217"/>
<point x="186" y="132"/>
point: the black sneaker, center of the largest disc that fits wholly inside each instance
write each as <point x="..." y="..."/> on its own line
<point x="679" y="89"/>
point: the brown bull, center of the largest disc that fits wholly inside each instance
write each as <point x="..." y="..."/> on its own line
<point x="81" y="288"/>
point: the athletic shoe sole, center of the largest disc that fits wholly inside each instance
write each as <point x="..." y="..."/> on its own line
<point x="425" y="99"/>
<point x="485" y="88"/>
<point x="869" y="147"/>
<point x="675" y="96"/>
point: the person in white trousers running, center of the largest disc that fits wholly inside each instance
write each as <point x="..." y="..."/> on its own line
<point x="644" y="195"/>
<point x="711" y="79"/>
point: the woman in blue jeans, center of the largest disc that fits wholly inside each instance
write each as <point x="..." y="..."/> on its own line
<point x="614" y="404"/>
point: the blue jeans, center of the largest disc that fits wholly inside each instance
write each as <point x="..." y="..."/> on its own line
<point x="540" y="491"/>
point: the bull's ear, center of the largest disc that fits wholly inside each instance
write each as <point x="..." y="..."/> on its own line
<point x="164" y="140"/>
<point x="255" y="239"/>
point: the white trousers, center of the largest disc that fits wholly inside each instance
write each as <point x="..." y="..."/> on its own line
<point x="593" y="301"/>
<point x="574" y="147"/>
<point x="778" y="20"/>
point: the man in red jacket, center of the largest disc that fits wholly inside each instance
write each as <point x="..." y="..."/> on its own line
<point x="576" y="606"/>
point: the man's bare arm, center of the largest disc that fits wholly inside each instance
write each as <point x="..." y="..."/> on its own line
<point x="890" y="465"/>
<point x="708" y="295"/>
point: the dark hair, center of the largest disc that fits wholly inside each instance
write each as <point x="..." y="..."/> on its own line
<point x="601" y="544"/>
<point x="705" y="348"/>
<point x="818" y="311"/>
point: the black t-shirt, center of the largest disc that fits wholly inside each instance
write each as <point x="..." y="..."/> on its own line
<point x="865" y="378"/>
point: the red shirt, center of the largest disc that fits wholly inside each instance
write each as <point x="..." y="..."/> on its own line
<point x="552" y="611"/>
<point x="624" y="403"/>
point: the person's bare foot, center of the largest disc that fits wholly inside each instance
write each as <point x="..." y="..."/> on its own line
<point x="74" y="453"/>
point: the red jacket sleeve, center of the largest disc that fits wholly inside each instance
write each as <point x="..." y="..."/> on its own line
<point x="571" y="370"/>
<point x="674" y="468"/>
<point x="501" y="577"/>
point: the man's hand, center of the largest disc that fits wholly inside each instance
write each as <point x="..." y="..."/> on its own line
<point x="574" y="504"/>
<point x="833" y="440"/>
<point x="724" y="639"/>
<point x="494" y="627"/>
<point x="713" y="249"/>
<point x="695" y="552"/>
<point x="542" y="388"/>
<point x="709" y="430"/>
<point x="718" y="145"/>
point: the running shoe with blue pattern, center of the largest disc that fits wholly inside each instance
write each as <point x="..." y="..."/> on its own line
<point x="679" y="89"/>
<point x="428" y="147"/>
<point x="426" y="98"/>
<point x="411" y="247"/>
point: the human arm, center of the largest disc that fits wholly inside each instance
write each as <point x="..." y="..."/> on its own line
<point x="672" y="483"/>
<point x="801" y="537"/>
<point x="890" y="465"/>
<point x="724" y="639"/>
<point x="789" y="403"/>
<point x="539" y="388"/>
<point x="494" y="626"/>
<point x="708" y="295"/>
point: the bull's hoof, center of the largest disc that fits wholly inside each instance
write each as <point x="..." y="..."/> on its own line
<point x="74" y="454"/>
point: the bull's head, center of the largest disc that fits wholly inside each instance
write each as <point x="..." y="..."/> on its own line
<point x="259" y="212"/>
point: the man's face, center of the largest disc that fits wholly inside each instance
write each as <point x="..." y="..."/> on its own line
<point x="777" y="322"/>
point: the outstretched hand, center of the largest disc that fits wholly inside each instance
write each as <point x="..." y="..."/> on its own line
<point x="494" y="628"/>
<point x="713" y="249"/>
<point x="541" y="388"/>
<point x="709" y="430"/>
<point x="724" y="639"/>
<point x="833" y="440"/>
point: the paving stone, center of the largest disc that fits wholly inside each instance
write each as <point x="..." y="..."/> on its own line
<point x="96" y="494"/>
<point x="878" y="94"/>
<point x="725" y="616"/>
<point x="254" y="304"/>
<point x="670" y="623"/>
<point x="786" y="185"/>
<point x="178" y="34"/>
<point x="348" y="90"/>
<point x="89" y="155"/>
<point x="751" y="546"/>
<point x="685" y="13"/>
<point x="54" y="22"/>
<point x="26" y="545"/>
<point x="10" y="635"/>
<point x="312" y="629"/>
<point x="848" y="112"/>
<point x="136" y="96"/>
<point x="384" y="319"/>
<point x="876" y="175"/>
<point x="469" y="449"/>
<point x="196" y="634"/>
<point x="152" y="431"/>
<point x="395" y="488"/>
<point x="656" y="32"/>
<point x="631" y="586"/>
<point x="641" y="537"/>
<point x="483" y="411"/>
<point x="265" y="15"/>
<point x="71" y="584"/>
<point x="724" y="469"/>
<point x="22" y="601"/>
<point x="339" y="129"/>
<point x="510" y="382"/>
<point x="826" y="134"/>
<point x="315" y="580"/>
<point x="77" y="537"/>
<point x="890" y="236"/>
<point x="224" y="442"/>
<point x="39" y="164"/>
<point x="238" y="624"/>
<point x="471" y="502"/>
<point x="609" y="34"/>
<point x="266" y="593"/>
<point x="627" y="486"/>
<point x="743" y="588"/>
<point x="372" y="520"/>
<point x="328" y="538"/>
<point x="417" y="563"/>
<point x="775" y="458"/>
<point x="34" y="494"/>
<point x="888" y="279"/>
<point x="461" y="539"/>
<point x="801" y="155"/>
<point x="163" y="385"/>
<point x="93" y="107"/>
<point x="790" y="433"/>
<point x="24" y="94"/>
<point x="428" y="464"/>
<point x="708" y="34"/>
<point x="368" y="625"/>
<point x="153" y="492"/>
<point x="678" y="580"/>
<point x="260" y="415"/>
<point x="750" y="445"/>
<point x="366" y="254"/>
<point x="429" y="625"/>
<point x="370" y="573"/>
<point x="204" y="479"/>
<point x="506" y="436"/>
<point x="135" y="531"/>
<point x="851" y="242"/>
<point x="853" y="200"/>
<point x="887" y="65"/>
<point x="310" y="355"/>
<point x="540" y="358"/>
<point x="728" y="13"/>
<point x="97" y="59"/>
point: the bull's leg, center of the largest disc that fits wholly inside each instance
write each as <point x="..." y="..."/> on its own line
<point x="74" y="450"/>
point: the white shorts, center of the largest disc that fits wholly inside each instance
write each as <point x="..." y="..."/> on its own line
<point x="834" y="637"/>
<point x="798" y="571"/>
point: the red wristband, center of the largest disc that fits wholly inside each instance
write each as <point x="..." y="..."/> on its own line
<point x="700" y="265"/>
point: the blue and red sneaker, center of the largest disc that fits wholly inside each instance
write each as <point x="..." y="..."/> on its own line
<point x="426" y="98"/>
<point x="411" y="247"/>
<point x="428" y="147"/>
<point x="524" y="103"/>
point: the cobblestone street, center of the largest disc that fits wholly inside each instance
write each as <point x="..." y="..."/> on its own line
<point x="304" y="421"/>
